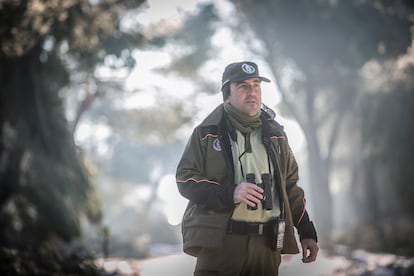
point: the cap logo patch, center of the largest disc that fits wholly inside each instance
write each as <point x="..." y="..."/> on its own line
<point x="248" y="69"/>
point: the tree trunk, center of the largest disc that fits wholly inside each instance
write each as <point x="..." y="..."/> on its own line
<point x="39" y="167"/>
<point x="23" y="97"/>
<point x="321" y="196"/>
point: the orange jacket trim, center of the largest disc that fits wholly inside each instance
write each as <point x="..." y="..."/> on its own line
<point x="277" y="137"/>
<point x="209" y="135"/>
<point x="303" y="212"/>
<point x="198" y="181"/>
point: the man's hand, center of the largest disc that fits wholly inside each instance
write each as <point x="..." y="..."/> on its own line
<point x="313" y="248"/>
<point x="249" y="193"/>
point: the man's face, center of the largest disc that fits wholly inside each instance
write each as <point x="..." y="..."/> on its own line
<point x="246" y="96"/>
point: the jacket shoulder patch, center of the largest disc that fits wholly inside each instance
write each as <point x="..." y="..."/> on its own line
<point x="217" y="144"/>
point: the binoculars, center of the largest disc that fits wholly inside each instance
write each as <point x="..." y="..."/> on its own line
<point x="266" y="185"/>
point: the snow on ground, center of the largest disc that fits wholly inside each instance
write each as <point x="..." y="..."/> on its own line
<point x="183" y="265"/>
<point x="343" y="263"/>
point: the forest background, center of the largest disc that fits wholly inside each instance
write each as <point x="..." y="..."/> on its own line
<point x="97" y="100"/>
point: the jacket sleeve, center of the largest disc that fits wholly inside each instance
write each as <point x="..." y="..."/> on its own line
<point x="192" y="181"/>
<point x="297" y="201"/>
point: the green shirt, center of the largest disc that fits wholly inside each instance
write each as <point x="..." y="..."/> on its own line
<point x="255" y="162"/>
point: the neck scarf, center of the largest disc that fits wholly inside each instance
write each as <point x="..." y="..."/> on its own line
<point x="241" y="121"/>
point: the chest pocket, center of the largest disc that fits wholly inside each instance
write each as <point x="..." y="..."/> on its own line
<point x="215" y="165"/>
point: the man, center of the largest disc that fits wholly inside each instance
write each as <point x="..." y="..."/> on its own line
<point x="233" y="225"/>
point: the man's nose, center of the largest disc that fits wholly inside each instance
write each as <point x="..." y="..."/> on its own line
<point x="251" y="89"/>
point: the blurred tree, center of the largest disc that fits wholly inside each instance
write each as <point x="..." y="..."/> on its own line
<point x="192" y="46"/>
<point x="386" y="110"/>
<point x="145" y="142"/>
<point x="315" y="50"/>
<point x="45" y="45"/>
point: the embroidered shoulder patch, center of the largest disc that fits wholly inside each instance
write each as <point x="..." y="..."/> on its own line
<point x="216" y="144"/>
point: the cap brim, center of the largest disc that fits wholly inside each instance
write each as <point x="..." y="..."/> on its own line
<point x="264" y="79"/>
<point x="244" y="78"/>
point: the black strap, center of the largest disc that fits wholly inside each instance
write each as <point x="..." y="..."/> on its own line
<point x="250" y="228"/>
<point x="272" y="157"/>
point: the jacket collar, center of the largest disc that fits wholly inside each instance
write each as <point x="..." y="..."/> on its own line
<point x="216" y="116"/>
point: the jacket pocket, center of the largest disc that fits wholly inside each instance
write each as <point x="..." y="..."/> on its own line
<point x="196" y="216"/>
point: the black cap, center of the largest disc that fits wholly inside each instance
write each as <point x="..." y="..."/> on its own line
<point x="240" y="71"/>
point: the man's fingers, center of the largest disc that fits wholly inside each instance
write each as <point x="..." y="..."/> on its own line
<point x="252" y="200"/>
<point x="311" y="247"/>
<point x="248" y="193"/>
<point x="253" y="194"/>
<point x="312" y="256"/>
<point x="304" y="252"/>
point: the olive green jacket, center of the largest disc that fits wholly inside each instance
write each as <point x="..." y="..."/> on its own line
<point x="205" y="177"/>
